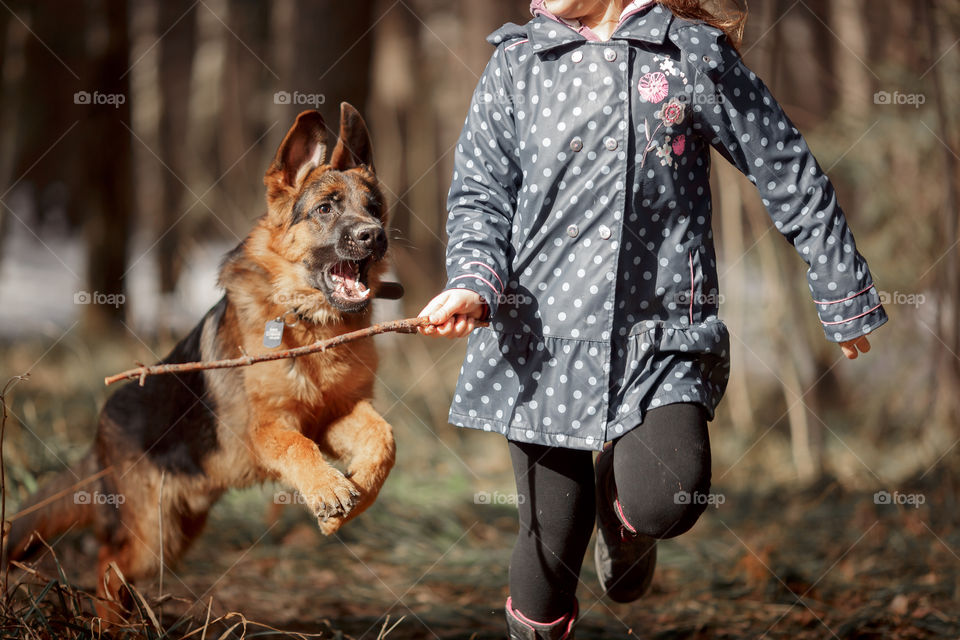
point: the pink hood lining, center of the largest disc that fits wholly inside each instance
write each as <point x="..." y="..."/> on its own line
<point x="537" y="7"/>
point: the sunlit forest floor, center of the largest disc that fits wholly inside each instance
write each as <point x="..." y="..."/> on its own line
<point x="774" y="560"/>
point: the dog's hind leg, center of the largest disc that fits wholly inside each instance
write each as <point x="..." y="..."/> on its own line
<point x="128" y="559"/>
<point x="150" y="529"/>
<point x="365" y="440"/>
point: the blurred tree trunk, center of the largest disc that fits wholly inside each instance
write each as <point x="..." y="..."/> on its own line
<point x="851" y="61"/>
<point x="175" y="65"/>
<point x="794" y="363"/>
<point x="396" y="77"/>
<point x="242" y="114"/>
<point x="108" y="167"/>
<point x="824" y="45"/>
<point x="732" y="229"/>
<point x="13" y="36"/>
<point x="323" y="48"/>
<point x="948" y="281"/>
<point x="793" y="360"/>
<point x="47" y="117"/>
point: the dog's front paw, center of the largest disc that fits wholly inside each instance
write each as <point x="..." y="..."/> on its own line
<point x="332" y="498"/>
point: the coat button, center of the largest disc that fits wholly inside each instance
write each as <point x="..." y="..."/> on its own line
<point x="604" y="232"/>
<point x="573" y="230"/>
<point x="577" y="56"/>
<point x="609" y="55"/>
<point x="576" y="144"/>
<point x="610" y="143"/>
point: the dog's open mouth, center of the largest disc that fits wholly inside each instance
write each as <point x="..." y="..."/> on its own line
<point x="347" y="287"/>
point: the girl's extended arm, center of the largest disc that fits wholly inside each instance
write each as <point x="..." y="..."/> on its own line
<point x="749" y="128"/>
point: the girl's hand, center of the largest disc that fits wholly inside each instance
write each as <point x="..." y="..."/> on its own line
<point x="850" y="346"/>
<point x="453" y="313"/>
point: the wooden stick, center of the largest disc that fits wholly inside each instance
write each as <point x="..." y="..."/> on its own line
<point x="408" y="325"/>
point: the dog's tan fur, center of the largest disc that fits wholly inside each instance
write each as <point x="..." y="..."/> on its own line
<point x="280" y="420"/>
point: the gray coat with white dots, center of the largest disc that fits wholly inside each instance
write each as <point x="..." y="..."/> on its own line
<point x="580" y="210"/>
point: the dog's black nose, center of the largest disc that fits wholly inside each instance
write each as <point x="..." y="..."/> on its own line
<point x="371" y="237"/>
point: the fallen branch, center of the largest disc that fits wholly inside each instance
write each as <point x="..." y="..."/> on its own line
<point x="408" y="325"/>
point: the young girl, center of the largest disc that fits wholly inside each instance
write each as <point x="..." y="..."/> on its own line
<point x="581" y="264"/>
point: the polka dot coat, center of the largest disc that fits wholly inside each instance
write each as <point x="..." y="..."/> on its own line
<point x="580" y="210"/>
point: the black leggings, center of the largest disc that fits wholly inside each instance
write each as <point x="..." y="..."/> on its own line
<point x="667" y="454"/>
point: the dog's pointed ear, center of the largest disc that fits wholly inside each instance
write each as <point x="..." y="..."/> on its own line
<point x="303" y="148"/>
<point x="353" y="148"/>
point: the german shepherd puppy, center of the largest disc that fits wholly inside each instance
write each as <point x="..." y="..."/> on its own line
<point x="314" y="261"/>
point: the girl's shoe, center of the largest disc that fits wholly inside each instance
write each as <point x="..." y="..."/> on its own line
<point x="520" y="627"/>
<point x="624" y="559"/>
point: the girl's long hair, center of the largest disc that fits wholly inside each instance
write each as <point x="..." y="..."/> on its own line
<point x="726" y="15"/>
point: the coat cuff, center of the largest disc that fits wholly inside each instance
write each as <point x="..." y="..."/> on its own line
<point x="851" y="316"/>
<point x="482" y="279"/>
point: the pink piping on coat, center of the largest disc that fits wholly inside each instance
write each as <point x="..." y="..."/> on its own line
<point x="859" y="315"/>
<point x="490" y="269"/>
<point x="842" y="299"/>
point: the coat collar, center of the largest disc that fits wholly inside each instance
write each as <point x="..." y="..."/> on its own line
<point x="648" y="24"/>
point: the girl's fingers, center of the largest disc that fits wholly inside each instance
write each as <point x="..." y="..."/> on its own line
<point x="465" y="326"/>
<point x="850" y="347"/>
<point x="442" y="313"/>
<point x="849" y="350"/>
<point x="445" y="329"/>
<point x="437" y="311"/>
<point x="434" y="304"/>
<point x="455" y="327"/>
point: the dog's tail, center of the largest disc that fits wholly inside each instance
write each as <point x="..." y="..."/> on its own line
<point x="60" y="504"/>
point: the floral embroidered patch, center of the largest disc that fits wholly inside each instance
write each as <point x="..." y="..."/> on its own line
<point x="679" y="143"/>
<point x="671" y="113"/>
<point x="654" y="87"/>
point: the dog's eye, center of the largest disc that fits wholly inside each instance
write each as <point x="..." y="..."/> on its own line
<point x="323" y="208"/>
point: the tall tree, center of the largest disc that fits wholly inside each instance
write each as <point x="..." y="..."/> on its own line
<point x="13" y="36"/>
<point x="948" y="277"/>
<point x="177" y="22"/>
<point x="851" y="62"/>
<point x="108" y="201"/>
